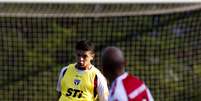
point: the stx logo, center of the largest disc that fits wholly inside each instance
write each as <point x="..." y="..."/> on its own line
<point x="74" y="92"/>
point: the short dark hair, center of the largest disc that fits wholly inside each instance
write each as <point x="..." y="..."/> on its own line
<point x="112" y="57"/>
<point x="85" y="45"/>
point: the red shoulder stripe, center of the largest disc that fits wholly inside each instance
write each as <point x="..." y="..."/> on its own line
<point x="131" y="83"/>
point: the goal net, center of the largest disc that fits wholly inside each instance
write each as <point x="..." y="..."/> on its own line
<point x="161" y="42"/>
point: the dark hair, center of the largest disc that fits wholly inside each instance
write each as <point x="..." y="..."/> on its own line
<point x="113" y="58"/>
<point x="85" y="45"/>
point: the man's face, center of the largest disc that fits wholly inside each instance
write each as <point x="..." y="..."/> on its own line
<point x="84" y="58"/>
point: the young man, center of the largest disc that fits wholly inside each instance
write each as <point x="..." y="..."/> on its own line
<point x="82" y="81"/>
<point x="125" y="87"/>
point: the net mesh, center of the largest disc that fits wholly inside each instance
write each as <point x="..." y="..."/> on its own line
<point x="163" y="49"/>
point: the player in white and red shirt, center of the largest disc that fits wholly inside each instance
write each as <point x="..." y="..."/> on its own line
<point x="125" y="87"/>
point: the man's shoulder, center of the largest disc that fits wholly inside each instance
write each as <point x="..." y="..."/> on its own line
<point x="135" y="88"/>
<point x="65" y="68"/>
<point x="98" y="73"/>
<point x="134" y="78"/>
<point x="95" y="69"/>
<point x="131" y="83"/>
<point x="71" y="65"/>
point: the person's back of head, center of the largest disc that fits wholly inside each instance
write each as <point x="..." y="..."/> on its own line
<point x="128" y="86"/>
<point x="113" y="62"/>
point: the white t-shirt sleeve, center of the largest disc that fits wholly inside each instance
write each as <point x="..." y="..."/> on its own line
<point x="60" y="77"/>
<point x="117" y="90"/>
<point x="102" y="88"/>
<point x="150" y="97"/>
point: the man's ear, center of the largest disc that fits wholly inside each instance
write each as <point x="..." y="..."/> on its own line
<point x="93" y="56"/>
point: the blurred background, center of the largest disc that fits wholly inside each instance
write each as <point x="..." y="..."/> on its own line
<point x="161" y="42"/>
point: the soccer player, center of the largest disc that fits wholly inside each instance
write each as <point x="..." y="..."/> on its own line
<point x="125" y="87"/>
<point x="81" y="81"/>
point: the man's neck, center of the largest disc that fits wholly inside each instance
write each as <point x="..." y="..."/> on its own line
<point x="120" y="72"/>
<point x="117" y="74"/>
<point x="83" y="68"/>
